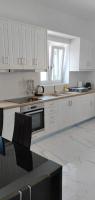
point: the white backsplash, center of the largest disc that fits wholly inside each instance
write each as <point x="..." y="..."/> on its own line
<point x="81" y="76"/>
<point x="13" y="85"/>
<point x="49" y="89"/>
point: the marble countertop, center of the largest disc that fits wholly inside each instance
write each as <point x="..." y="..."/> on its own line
<point x="49" y="97"/>
<point x="6" y="104"/>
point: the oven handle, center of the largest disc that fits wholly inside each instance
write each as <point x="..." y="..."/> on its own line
<point x="34" y="112"/>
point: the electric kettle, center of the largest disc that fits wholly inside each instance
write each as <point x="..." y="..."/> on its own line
<point x="39" y="90"/>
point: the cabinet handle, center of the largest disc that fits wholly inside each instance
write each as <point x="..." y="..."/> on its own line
<point x="6" y="60"/>
<point x="29" y="191"/>
<point x="36" y="61"/>
<point x="20" y="192"/>
<point x="33" y="61"/>
<point x="71" y="103"/>
<point x="22" y="61"/>
<point x="2" y="59"/>
<point x="91" y="103"/>
<point x="18" y="61"/>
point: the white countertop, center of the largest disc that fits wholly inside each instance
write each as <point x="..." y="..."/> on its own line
<point x="7" y="105"/>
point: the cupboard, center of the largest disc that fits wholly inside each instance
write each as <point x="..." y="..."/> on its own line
<point x="22" y="46"/>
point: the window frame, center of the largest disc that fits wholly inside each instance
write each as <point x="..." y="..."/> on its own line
<point x="49" y="71"/>
<point x="52" y="55"/>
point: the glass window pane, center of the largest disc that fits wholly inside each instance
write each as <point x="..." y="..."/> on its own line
<point x="57" y="64"/>
<point x="43" y="76"/>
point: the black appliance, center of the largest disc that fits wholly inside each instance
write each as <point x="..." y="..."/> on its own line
<point x="88" y="85"/>
<point x="29" y="121"/>
<point x="78" y="89"/>
<point x="24" y="175"/>
<point x="36" y="113"/>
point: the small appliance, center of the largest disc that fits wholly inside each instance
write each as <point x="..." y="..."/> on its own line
<point x="88" y="85"/>
<point x="78" y="89"/>
<point x="39" y="90"/>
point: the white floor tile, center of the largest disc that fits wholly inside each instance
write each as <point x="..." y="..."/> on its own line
<point x="75" y="150"/>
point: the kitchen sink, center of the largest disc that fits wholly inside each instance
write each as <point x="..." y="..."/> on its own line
<point x="24" y="99"/>
<point x="64" y="94"/>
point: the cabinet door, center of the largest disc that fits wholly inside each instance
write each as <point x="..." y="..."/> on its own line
<point x="87" y="54"/>
<point x="92" y="55"/>
<point x="51" y="115"/>
<point x="18" y="45"/>
<point x="76" y="113"/>
<point x="74" y="54"/>
<point x="42" y="49"/>
<point x="29" y="47"/>
<point x="22" y="43"/>
<point x="84" y="53"/>
<point x="92" y="105"/>
<point x="63" y="113"/>
<point x="4" y="45"/>
<point x="85" y="106"/>
<point x="39" y="48"/>
<point x="15" y="57"/>
<point x="2" y="51"/>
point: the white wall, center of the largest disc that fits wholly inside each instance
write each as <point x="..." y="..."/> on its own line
<point x="82" y="76"/>
<point x="32" y="11"/>
<point x="13" y="85"/>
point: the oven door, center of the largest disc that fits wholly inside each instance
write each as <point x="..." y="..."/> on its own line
<point x="37" y="117"/>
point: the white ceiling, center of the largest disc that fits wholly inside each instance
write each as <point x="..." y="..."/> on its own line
<point x="84" y="9"/>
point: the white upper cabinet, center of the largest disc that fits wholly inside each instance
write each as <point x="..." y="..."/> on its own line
<point x="4" y="45"/>
<point x="17" y="46"/>
<point x="38" y="48"/>
<point x="22" y="46"/>
<point x="29" y="47"/>
<point x="41" y="48"/>
<point x="82" y="54"/>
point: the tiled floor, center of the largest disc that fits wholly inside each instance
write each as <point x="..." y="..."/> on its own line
<point x="75" y="150"/>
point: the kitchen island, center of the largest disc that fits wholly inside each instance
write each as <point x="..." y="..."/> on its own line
<point x="25" y="175"/>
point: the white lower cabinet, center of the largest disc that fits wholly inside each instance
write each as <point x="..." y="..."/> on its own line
<point x="51" y="115"/>
<point x="8" y="122"/>
<point x="65" y="112"/>
<point x="69" y="112"/>
<point x="76" y="109"/>
<point x="92" y="105"/>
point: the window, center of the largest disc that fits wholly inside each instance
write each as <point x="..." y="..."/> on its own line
<point x="57" y="61"/>
<point x="56" y="65"/>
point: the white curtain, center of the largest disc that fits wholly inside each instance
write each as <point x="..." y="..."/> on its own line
<point x="57" y="62"/>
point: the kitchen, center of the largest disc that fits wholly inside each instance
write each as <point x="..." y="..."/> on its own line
<point x="13" y="81"/>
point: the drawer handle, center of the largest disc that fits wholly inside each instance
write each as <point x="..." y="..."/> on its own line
<point x="29" y="191"/>
<point x="20" y="192"/>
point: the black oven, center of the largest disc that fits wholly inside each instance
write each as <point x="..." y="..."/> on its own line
<point x="36" y="113"/>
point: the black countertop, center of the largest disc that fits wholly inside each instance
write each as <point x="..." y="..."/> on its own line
<point x="20" y="166"/>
